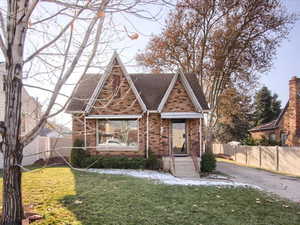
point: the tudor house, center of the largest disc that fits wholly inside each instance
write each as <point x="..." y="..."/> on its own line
<point x="117" y="113"/>
<point x="286" y="127"/>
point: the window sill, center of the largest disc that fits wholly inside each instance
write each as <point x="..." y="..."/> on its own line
<point x="116" y="149"/>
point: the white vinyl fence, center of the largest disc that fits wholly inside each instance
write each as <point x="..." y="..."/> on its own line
<point x="44" y="148"/>
<point x="281" y="159"/>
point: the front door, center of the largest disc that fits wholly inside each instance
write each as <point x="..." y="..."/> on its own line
<point x="179" y="138"/>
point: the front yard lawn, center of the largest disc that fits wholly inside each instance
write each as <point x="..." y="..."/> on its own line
<point x="64" y="196"/>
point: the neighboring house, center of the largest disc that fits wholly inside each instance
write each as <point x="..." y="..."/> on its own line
<point x="54" y="130"/>
<point x="31" y="112"/>
<point x="47" y="132"/>
<point x="31" y="108"/>
<point x="286" y="128"/>
<point x="131" y="114"/>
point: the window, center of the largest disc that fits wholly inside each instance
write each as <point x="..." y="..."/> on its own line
<point x="283" y="138"/>
<point x="115" y="134"/>
<point x="272" y="137"/>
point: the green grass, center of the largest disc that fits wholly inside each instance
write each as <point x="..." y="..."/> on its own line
<point x="66" y="197"/>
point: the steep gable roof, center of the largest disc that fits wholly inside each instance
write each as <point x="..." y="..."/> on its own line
<point x="150" y="87"/>
<point x="188" y="89"/>
<point x="83" y="92"/>
<point x="193" y="81"/>
<point x="114" y="60"/>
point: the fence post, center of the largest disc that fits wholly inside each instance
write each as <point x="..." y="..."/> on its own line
<point x="246" y="152"/>
<point x="234" y="151"/>
<point x="259" y="147"/>
<point x="277" y="158"/>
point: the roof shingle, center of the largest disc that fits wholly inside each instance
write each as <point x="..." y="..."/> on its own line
<point x="151" y="88"/>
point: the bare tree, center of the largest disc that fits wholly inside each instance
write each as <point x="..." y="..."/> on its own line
<point x="52" y="39"/>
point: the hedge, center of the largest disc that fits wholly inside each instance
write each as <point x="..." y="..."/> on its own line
<point x="208" y="162"/>
<point x="78" y="153"/>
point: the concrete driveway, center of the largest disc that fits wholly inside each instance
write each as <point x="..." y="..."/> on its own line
<point x="284" y="186"/>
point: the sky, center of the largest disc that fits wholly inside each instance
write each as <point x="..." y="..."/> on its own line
<point x="287" y="62"/>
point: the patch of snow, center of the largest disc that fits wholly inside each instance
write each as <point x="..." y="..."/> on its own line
<point x="166" y="178"/>
<point x="216" y="176"/>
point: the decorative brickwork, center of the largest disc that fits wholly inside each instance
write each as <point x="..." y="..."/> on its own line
<point x="178" y="100"/>
<point x="116" y="101"/>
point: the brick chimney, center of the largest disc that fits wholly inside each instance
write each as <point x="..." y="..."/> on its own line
<point x="294" y="110"/>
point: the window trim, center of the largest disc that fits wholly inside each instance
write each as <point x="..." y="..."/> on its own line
<point x="116" y="148"/>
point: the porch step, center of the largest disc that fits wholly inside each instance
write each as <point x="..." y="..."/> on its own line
<point x="184" y="167"/>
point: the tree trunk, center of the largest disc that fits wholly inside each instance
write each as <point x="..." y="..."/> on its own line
<point x="12" y="212"/>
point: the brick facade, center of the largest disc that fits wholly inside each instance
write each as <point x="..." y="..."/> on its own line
<point x="179" y="101"/>
<point x="117" y="98"/>
<point x="159" y="136"/>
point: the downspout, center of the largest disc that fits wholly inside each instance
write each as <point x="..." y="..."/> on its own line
<point x="84" y="132"/>
<point x="200" y="137"/>
<point x="147" y="136"/>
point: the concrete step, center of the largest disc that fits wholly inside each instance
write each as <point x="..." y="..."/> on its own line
<point x="184" y="167"/>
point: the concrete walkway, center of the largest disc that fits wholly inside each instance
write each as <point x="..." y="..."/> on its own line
<point x="284" y="186"/>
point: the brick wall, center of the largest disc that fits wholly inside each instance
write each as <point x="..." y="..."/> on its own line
<point x="193" y="135"/>
<point x="294" y="112"/>
<point x="179" y="100"/>
<point x="116" y="96"/>
<point x="77" y="127"/>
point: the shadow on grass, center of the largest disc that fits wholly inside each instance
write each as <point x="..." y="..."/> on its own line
<point x="122" y="200"/>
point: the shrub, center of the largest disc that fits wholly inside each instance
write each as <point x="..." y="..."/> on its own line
<point x="263" y="142"/>
<point x="114" y="162"/>
<point x="249" y="141"/>
<point x="208" y="162"/>
<point x="121" y="162"/>
<point x="266" y="142"/>
<point x="152" y="163"/>
<point x="78" y="154"/>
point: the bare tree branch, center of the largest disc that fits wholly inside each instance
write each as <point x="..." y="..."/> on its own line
<point x="30" y="136"/>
